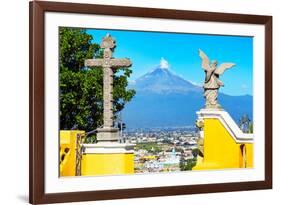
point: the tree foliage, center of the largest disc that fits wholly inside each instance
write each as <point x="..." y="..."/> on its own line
<point x="245" y="124"/>
<point x="187" y="165"/>
<point x="81" y="100"/>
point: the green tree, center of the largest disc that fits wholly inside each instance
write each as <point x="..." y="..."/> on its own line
<point x="195" y="152"/>
<point x="81" y="104"/>
<point x="245" y="124"/>
<point x="188" y="164"/>
<point x="251" y="127"/>
<point x="182" y="162"/>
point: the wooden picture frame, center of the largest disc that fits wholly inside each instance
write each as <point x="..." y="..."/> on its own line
<point x="37" y="10"/>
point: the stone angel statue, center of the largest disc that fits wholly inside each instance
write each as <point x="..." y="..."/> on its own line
<point x="212" y="82"/>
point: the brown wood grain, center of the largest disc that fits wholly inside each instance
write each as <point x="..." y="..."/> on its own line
<point x="37" y="193"/>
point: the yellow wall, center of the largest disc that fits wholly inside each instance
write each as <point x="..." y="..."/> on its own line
<point x="249" y="155"/>
<point x="220" y="149"/>
<point x="68" y="152"/>
<point x="91" y="164"/>
<point x="107" y="164"/>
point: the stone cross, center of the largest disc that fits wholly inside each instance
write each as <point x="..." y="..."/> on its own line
<point x="108" y="63"/>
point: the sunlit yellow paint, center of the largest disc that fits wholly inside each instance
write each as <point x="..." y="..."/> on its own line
<point x="107" y="164"/>
<point x="221" y="151"/>
<point x="249" y="155"/>
<point x="68" y="152"/>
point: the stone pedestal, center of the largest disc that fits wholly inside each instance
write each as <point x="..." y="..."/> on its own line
<point x="109" y="134"/>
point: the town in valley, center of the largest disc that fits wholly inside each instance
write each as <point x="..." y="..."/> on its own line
<point x="163" y="149"/>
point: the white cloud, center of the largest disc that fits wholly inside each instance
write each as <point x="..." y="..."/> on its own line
<point x="164" y="64"/>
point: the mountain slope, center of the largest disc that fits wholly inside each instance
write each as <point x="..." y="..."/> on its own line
<point x="163" y="81"/>
<point x="164" y="99"/>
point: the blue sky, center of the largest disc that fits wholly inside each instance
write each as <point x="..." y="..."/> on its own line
<point x="180" y="52"/>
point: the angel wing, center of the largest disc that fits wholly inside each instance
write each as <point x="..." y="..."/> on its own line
<point x="220" y="70"/>
<point x="205" y="61"/>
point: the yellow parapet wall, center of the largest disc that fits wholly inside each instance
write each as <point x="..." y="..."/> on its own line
<point x="68" y="151"/>
<point x="249" y="155"/>
<point x="224" y="146"/>
<point x="107" y="164"/>
<point x="107" y="159"/>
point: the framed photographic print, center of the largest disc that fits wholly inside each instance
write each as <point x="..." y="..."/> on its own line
<point x="139" y="102"/>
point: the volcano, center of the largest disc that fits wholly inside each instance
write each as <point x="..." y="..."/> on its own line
<point x="164" y="99"/>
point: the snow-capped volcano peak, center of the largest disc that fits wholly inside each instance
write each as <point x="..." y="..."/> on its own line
<point x="164" y="64"/>
<point x="162" y="80"/>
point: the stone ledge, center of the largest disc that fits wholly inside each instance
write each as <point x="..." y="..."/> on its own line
<point x="108" y="147"/>
<point x="228" y="123"/>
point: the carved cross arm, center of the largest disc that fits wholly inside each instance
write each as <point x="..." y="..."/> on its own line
<point x="94" y="62"/>
<point x="120" y="62"/>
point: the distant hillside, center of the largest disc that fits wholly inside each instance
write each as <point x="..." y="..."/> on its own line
<point x="164" y="99"/>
